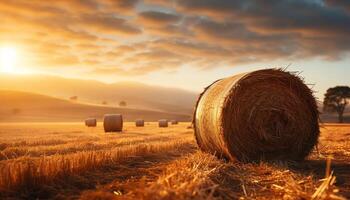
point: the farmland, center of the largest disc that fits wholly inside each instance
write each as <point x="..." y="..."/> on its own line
<point x="70" y="161"/>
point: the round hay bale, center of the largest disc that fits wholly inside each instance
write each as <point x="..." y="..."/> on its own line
<point x="91" y="122"/>
<point x="174" y="122"/>
<point x="262" y="115"/>
<point x="163" y="123"/>
<point x="140" y="122"/>
<point x="113" y="122"/>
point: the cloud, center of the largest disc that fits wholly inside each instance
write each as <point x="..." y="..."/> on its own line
<point x="296" y="28"/>
<point x="135" y="37"/>
<point x="78" y="5"/>
<point x="339" y="4"/>
<point x="158" y="18"/>
<point x="108" y="23"/>
<point x="299" y="16"/>
<point x="123" y="3"/>
<point x="137" y="70"/>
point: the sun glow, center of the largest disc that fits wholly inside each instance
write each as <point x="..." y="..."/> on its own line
<point x="8" y="59"/>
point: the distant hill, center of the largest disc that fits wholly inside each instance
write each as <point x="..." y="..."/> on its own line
<point x="320" y="107"/>
<point x="139" y="97"/>
<point x="136" y="95"/>
<point x="333" y="117"/>
<point x="28" y="107"/>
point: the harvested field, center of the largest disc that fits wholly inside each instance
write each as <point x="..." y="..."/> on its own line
<point x="71" y="161"/>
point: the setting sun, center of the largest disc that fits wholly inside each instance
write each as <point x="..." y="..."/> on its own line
<point x="8" y="56"/>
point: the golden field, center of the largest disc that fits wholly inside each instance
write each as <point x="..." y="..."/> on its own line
<point x="71" y="161"/>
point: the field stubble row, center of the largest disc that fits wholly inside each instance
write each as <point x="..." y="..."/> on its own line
<point x="196" y="176"/>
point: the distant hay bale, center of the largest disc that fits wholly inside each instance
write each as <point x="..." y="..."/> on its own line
<point x="262" y="115"/>
<point x="163" y="123"/>
<point x="113" y="122"/>
<point x="174" y="122"/>
<point x="91" y="122"/>
<point x="140" y="122"/>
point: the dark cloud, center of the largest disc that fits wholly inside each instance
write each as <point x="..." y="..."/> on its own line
<point x="120" y="6"/>
<point x="192" y="48"/>
<point x="108" y="23"/>
<point x="291" y="26"/>
<point x="342" y="4"/>
<point x="232" y="31"/>
<point x="78" y="5"/>
<point x="297" y="15"/>
<point x="156" y="17"/>
<point x="126" y="4"/>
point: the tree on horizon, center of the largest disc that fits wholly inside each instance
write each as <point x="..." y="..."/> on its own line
<point x="122" y="104"/>
<point x="336" y="99"/>
<point x="73" y="98"/>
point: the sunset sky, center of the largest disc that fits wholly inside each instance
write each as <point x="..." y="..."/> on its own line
<point x="176" y="43"/>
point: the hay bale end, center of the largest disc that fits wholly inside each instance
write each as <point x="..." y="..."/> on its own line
<point x="174" y="122"/>
<point x="140" y="123"/>
<point x="163" y="123"/>
<point x="113" y="123"/>
<point x="91" y="122"/>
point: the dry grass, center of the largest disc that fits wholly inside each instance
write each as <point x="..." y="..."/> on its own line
<point x="28" y="172"/>
<point x="187" y="178"/>
<point x="33" y="162"/>
<point x="70" y="161"/>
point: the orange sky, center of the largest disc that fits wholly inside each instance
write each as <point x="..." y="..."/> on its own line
<point x="175" y="42"/>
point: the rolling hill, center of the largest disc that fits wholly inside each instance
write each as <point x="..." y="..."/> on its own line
<point x="18" y="106"/>
<point x="139" y="97"/>
<point x="136" y="95"/>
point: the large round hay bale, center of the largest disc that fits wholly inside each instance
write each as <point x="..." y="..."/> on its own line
<point x="262" y="115"/>
<point x="174" y="122"/>
<point x="113" y="122"/>
<point x="163" y="123"/>
<point x="91" y="122"/>
<point x="140" y="122"/>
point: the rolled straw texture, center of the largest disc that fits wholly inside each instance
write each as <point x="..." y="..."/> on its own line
<point x="262" y="115"/>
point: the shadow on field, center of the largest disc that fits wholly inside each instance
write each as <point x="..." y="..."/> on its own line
<point x="317" y="168"/>
<point x="260" y="180"/>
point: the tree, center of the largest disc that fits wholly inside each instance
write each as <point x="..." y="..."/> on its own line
<point x="104" y="103"/>
<point x="73" y="98"/>
<point x="16" y="111"/>
<point x="336" y="99"/>
<point x="122" y="104"/>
